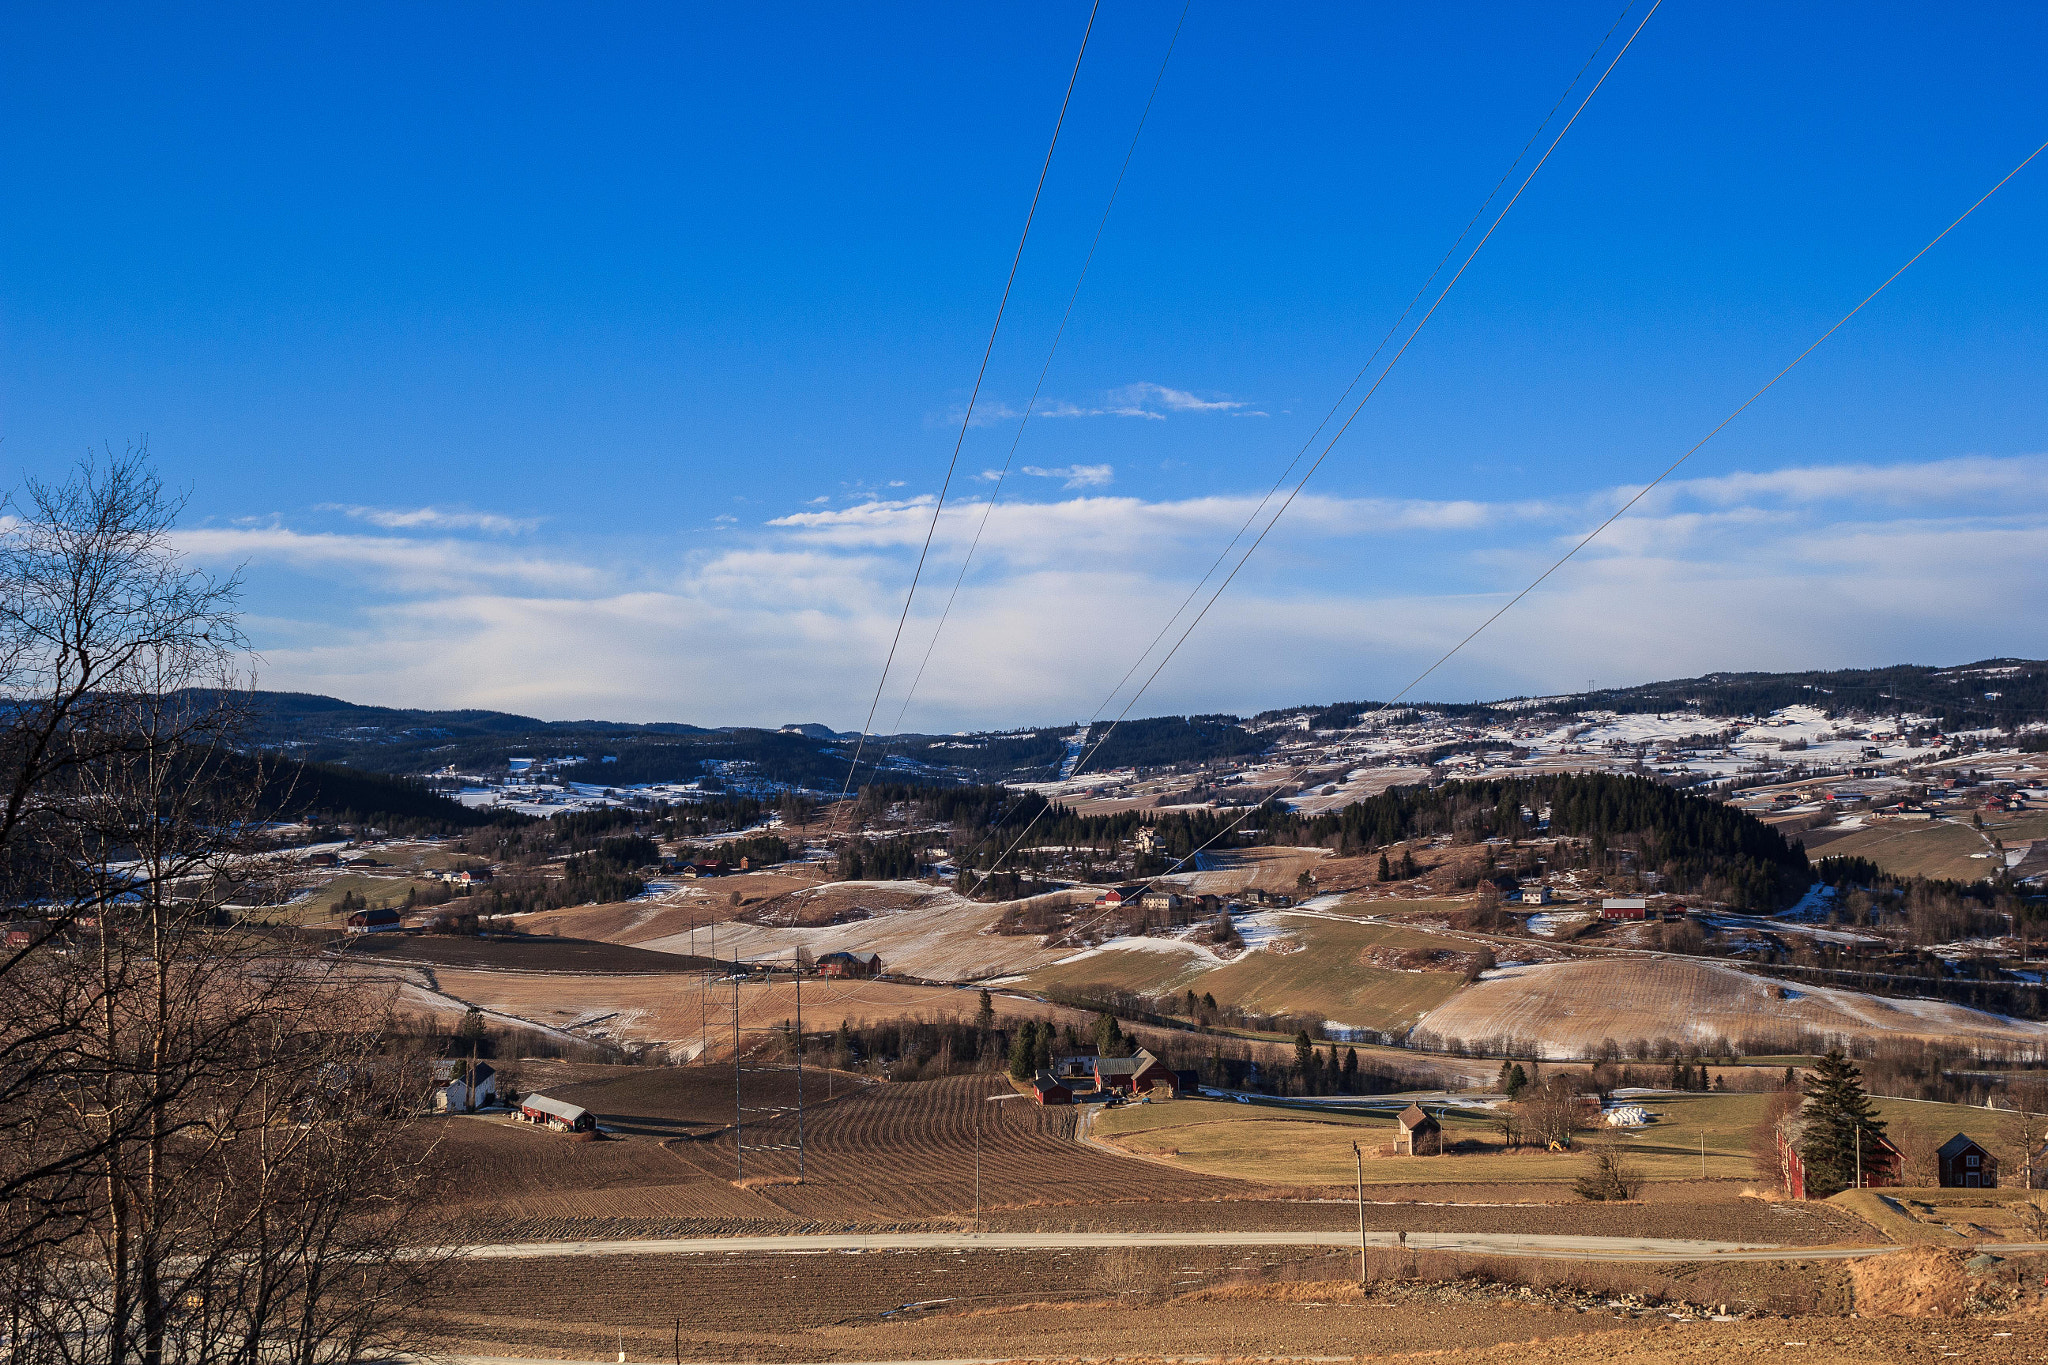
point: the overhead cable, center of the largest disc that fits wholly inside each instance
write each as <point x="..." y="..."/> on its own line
<point x="1670" y="469"/>
<point x="1032" y="405"/>
<point x="1381" y="379"/>
<point x="967" y="417"/>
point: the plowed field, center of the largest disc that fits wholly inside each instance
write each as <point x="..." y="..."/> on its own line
<point x="874" y="1153"/>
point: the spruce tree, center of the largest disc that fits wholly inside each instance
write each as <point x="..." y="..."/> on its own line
<point x="985" y="1017"/>
<point x="1350" y="1070"/>
<point x="1838" y="1113"/>
<point x="1386" y="873"/>
<point x="1518" y="1081"/>
<point x="1023" y="1048"/>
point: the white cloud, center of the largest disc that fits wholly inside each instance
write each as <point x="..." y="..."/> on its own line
<point x="1152" y="402"/>
<point x="1845" y="565"/>
<point x="1076" y="475"/>
<point x="432" y="518"/>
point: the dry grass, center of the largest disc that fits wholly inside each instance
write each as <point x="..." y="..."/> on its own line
<point x="1570" y="1007"/>
<point x="1920" y="849"/>
<point x="1312" y="1147"/>
<point x="1332" y="976"/>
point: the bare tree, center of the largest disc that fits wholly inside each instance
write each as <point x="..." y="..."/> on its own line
<point x="2026" y="1128"/>
<point x="198" y="1137"/>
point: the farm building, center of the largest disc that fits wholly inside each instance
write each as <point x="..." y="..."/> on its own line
<point x="1048" y="1090"/>
<point x="1963" y="1163"/>
<point x="1077" y="1064"/>
<point x="462" y="1087"/>
<point x="1120" y="895"/>
<point x="1139" y="1071"/>
<point x="1416" y="1133"/>
<point x="1624" y="908"/>
<point x="1166" y="907"/>
<point x="1187" y="1082"/>
<point x="373" y="921"/>
<point x="1882" y="1172"/>
<point x="557" y="1114"/>
<point x="1534" y="895"/>
<point x="848" y="964"/>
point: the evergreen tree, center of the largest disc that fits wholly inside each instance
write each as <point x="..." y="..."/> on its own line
<point x="1386" y="873"/>
<point x="1838" y="1115"/>
<point x="1023" y="1049"/>
<point x="1304" y="1059"/>
<point x="1500" y="1082"/>
<point x="1518" y="1081"/>
<point x="985" y="1017"/>
<point x="1350" y="1070"/>
<point x="1208" y="1002"/>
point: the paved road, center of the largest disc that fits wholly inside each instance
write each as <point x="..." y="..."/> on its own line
<point x="1485" y="1243"/>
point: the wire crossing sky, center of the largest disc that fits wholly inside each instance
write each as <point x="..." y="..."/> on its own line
<point x="609" y="365"/>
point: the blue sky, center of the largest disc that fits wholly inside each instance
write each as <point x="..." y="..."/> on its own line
<point x="594" y="363"/>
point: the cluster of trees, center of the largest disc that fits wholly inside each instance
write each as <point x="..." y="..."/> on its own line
<point x="1164" y="740"/>
<point x="761" y="850"/>
<point x="1699" y="845"/>
<point x="206" y="1153"/>
<point x="880" y="860"/>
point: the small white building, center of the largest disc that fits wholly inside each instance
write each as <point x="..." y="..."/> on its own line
<point x="463" y="1087"/>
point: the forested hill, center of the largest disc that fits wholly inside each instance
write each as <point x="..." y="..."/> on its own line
<point x="1699" y="845"/>
<point x="1990" y="694"/>
<point x="322" y="792"/>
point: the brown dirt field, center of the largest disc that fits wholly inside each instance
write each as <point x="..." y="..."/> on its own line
<point x="895" y="1151"/>
<point x="911" y="1305"/>
<point x="875" y="1153"/>
<point x="523" y="954"/>
<point x="1142" y="1305"/>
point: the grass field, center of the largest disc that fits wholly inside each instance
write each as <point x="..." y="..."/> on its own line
<point x="1291" y="1146"/>
<point x="1147" y="971"/>
<point x="1933" y="849"/>
<point x="1280" y="1145"/>
<point x="1569" y="1008"/>
<point x="1330" y="977"/>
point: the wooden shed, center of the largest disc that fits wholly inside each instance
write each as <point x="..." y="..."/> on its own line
<point x="1416" y="1133"/>
<point x="1047" y="1089"/>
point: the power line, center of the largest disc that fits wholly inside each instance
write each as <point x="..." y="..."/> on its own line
<point x="1690" y="451"/>
<point x="1058" y="335"/>
<point x="1394" y="327"/>
<point x="1360" y="406"/>
<point x="1335" y="407"/>
<point x="968" y="416"/>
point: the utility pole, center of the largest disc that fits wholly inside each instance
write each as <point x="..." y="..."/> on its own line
<point x="739" y="1151"/>
<point x="1358" y="1159"/>
<point x="799" y="1066"/>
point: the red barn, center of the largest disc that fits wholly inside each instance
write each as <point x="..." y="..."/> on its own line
<point x="1048" y="1090"/>
<point x="1139" y="1071"/>
<point x="1883" y="1171"/>
<point x="1624" y="907"/>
